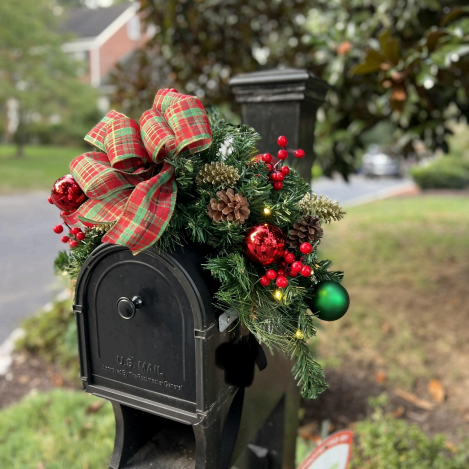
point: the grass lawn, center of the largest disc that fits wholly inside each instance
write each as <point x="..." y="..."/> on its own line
<point x="406" y="263"/>
<point x="57" y="430"/>
<point x="39" y="169"/>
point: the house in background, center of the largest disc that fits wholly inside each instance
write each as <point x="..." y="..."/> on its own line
<point x="101" y="38"/>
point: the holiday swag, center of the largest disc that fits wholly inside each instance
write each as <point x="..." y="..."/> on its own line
<point x="181" y="177"/>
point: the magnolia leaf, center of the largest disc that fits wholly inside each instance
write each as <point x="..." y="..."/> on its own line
<point x="371" y="64"/>
<point x="453" y="14"/>
<point x="433" y="38"/>
<point x="389" y="47"/>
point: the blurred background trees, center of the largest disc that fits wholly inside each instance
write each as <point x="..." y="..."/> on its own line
<point x="398" y="70"/>
<point x="39" y="86"/>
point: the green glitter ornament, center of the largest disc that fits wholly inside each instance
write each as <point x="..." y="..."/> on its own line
<point x="330" y="302"/>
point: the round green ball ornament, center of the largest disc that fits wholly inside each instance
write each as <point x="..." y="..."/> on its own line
<point x="331" y="301"/>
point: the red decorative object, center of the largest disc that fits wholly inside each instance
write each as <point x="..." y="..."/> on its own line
<point x="72" y="243"/>
<point x="50" y="200"/>
<point x="80" y="236"/>
<point x="296" y="266"/>
<point x="281" y="282"/>
<point x="299" y="153"/>
<point x="306" y="271"/>
<point x="58" y="229"/>
<point x="282" y="154"/>
<point x="264" y="281"/>
<point x="264" y="244"/>
<point x="281" y="273"/>
<point x="277" y="185"/>
<point x="75" y="230"/>
<point x="292" y="274"/>
<point x="89" y="225"/>
<point x="278" y="176"/>
<point x="271" y="274"/>
<point x="173" y="90"/>
<point x="289" y="257"/>
<point x="67" y="194"/>
<point x="267" y="157"/>
<point x="282" y="264"/>
<point x="306" y="248"/>
<point x="269" y="166"/>
<point x="285" y="170"/>
<point x="282" y="141"/>
<point x="65" y="239"/>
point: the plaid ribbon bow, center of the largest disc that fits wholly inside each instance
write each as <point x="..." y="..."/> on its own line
<point x="123" y="183"/>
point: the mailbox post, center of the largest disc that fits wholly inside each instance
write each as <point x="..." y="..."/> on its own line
<point x="282" y="102"/>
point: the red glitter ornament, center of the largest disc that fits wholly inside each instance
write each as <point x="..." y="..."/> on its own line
<point x="67" y="194"/>
<point x="264" y="244"/>
<point x="299" y="153"/>
<point x="264" y="281"/>
<point x="50" y="200"/>
<point x="282" y="141"/>
<point x="281" y="282"/>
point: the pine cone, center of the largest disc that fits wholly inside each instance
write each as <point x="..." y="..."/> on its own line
<point x="305" y="230"/>
<point x="230" y="207"/>
<point x="218" y="174"/>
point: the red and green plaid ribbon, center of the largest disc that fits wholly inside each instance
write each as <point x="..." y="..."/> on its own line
<point x="122" y="181"/>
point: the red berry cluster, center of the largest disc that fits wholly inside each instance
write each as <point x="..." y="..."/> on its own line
<point x="72" y="238"/>
<point x="278" y="171"/>
<point x="289" y="266"/>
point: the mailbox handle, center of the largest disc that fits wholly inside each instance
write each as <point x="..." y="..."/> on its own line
<point x="127" y="308"/>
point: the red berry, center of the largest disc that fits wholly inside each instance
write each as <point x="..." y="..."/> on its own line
<point x="278" y="185"/>
<point x="271" y="274"/>
<point x="282" y="141"/>
<point x="278" y="176"/>
<point x="299" y="153"/>
<point x="266" y="157"/>
<point x="281" y="282"/>
<point x="282" y="264"/>
<point x="75" y="231"/>
<point x="80" y="236"/>
<point x="280" y="272"/>
<point x="89" y="225"/>
<point x="289" y="257"/>
<point x="58" y="229"/>
<point x="65" y="239"/>
<point x="50" y="200"/>
<point x="306" y="271"/>
<point x="282" y="154"/>
<point x="292" y="274"/>
<point x="306" y="248"/>
<point x="296" y="266"/>
<point x="173" y="90"/>
<point x="72" y="243"/>
<point x="264" y="281"/>
<point x="269" y="166"/>
<point x="285" y="170"/>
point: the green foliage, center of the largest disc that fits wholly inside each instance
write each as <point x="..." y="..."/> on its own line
<point x="51" y="334"/>
<point x="54" y="430"/>
<point x="383" y="442"/>
<point x="37" y="73"/>
<point x="405" y="64"/>
<point x="447" y="172"/>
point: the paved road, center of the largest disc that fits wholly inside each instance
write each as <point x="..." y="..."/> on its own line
<point x="359" y="190"/>
<point x="28" y="247"/>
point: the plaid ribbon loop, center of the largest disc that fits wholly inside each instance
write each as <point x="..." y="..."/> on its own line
<point x="121" y="180"/>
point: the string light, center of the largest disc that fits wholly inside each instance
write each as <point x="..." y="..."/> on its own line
<point x="278" y="295"/>
<point x="267" y="211"/>
<point x="299" y="335"/>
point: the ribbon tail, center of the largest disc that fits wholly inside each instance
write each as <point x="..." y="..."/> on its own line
<point x="147" y="212"/>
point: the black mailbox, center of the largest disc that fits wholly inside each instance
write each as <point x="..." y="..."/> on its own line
<point x="148" y="337"/>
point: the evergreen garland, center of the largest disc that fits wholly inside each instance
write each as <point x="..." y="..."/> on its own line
<point x="279" y="318"/>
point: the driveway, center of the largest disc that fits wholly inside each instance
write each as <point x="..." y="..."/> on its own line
<point x="28" y="247"/>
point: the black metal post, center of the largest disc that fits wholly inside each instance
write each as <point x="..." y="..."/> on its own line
<point x="282" y="102"/>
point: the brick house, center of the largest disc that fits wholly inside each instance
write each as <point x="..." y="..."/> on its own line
<point x="101" y="38"/>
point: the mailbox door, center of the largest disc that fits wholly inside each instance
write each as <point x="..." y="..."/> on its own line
<point x="137" y="329"/>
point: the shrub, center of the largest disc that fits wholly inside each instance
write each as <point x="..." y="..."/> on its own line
<point x="447" y="172"/>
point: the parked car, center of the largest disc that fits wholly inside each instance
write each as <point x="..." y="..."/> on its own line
<point x="378" y="163"/>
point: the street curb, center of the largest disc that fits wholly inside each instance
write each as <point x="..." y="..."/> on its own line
<point x="6" y="350"/>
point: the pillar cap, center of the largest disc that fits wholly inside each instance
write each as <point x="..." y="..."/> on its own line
<point x="286" y="84"/>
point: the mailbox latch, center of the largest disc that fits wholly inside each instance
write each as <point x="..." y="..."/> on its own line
<point x="127" y="308"/>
